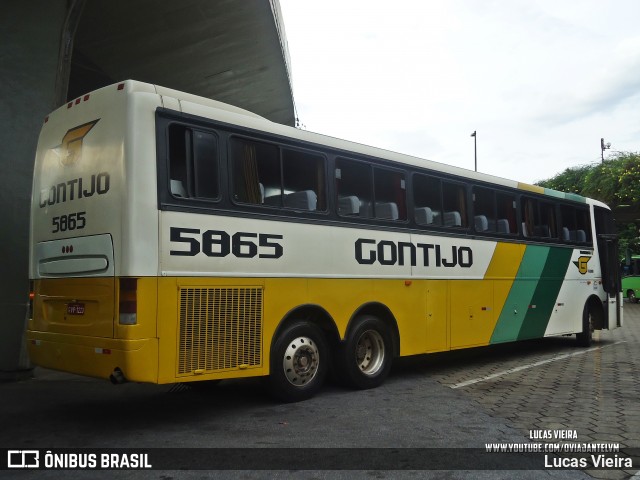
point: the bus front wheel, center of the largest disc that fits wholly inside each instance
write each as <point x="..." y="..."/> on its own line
<point x="364" y="359"/>
<point x="586" y="336"/>
<point x="631" y="295"/>
<point x="299" y="362"/>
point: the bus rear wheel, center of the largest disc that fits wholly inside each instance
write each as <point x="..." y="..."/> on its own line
<point x="631" y="295"/>
<point x="585" y="337"/>
<point x="364" y="359"/>
<point x="299" y="362"/>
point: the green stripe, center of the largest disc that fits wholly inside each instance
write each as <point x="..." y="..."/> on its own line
<point x="567" y="196"/>
<point x="543" y="300"/>
<point x="522" y="291"/>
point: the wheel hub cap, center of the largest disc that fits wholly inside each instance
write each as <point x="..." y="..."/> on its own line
<point x="301" y="361"/>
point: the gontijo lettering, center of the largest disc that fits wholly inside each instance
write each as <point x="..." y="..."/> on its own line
<point x="75" y="188"/>
<point x="385" y="252"/>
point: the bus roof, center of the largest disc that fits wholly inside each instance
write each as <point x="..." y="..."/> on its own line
<point x="190" y="103"/>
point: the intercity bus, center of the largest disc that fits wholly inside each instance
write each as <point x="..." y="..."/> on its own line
<point x="179" y="239"/>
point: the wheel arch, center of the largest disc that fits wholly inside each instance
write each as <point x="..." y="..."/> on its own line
<point x="597" y="311"/>
<point x="314" y="314"/>
<point x="382" y="312"/>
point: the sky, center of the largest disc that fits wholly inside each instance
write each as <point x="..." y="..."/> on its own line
<point x="541" y="82"/>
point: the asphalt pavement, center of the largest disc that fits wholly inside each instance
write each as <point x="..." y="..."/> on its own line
<point x="438" y="411"/>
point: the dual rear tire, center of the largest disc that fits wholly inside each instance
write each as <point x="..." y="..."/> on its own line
<point x="301" y="358"/>
<point x="364" y="359"/>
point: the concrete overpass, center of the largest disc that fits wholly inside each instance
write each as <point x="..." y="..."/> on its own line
<point x="234" y="51"/>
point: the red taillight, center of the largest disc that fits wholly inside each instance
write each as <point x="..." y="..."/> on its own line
<point x="121" y="86"/>
<point x="128" y="309"/>
<point x="32" y="295"/>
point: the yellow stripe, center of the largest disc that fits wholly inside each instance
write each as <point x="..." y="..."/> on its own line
<point x="530" y="188"/>
<point x="505" y="261"/>
<point x="503" y="270"/>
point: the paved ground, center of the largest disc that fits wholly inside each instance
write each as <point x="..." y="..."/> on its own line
<point x="557" y="385"/>
<point x="455" y="401"/>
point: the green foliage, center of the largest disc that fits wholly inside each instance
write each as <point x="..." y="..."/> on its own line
<point x="616" y="182"/>
<point x="628" y="239"/>
<point x="572" y="180"/>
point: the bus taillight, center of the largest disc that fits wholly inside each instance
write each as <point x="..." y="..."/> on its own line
<point x="32" y="295"/>
<point x="128" y="301"/>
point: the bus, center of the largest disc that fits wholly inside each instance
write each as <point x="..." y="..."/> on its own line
<point x="630" y="268"/>
<point x="178" y="239"/>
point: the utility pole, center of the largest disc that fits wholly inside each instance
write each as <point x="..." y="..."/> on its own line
<point x="603" y="147"/>
<point x="475" y="150"/>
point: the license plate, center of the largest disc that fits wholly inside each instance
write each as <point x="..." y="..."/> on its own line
<point x="75" y="308"/>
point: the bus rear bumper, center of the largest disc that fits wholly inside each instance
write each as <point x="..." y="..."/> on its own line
<point x="137" y="360"/>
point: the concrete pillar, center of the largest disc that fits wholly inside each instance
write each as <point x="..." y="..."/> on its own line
<point x="30" y="33"/>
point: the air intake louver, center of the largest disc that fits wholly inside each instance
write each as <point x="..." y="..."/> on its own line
<point x="220" y="329"/>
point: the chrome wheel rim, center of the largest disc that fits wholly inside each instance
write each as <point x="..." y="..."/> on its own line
<point x="370" y="352"/>
<point x="301" y="361"/>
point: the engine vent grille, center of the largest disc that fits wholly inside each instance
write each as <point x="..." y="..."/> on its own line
<point x="220" y="329"/>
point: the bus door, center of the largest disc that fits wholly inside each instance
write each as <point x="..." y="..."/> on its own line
<point x="607" y="242"/>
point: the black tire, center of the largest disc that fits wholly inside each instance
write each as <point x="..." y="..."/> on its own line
<point x="299" y="362"/>
<point x="364" y="359"/>
<point x="585" y="337"/>
<point x="631" y="295"/>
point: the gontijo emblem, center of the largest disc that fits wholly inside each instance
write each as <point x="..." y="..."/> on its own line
<point x="581" y="263"/>
<point x="72" y="143"/>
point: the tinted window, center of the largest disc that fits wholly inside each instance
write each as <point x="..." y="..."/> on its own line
<point x="193" y="163"/>
<point x="276" y="176"/>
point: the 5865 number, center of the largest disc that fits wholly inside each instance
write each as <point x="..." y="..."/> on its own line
<point x="73" y="221"/>
<point x="218" y="243"/>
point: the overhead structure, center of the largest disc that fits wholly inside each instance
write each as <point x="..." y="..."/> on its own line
<point x="234" y="51"/>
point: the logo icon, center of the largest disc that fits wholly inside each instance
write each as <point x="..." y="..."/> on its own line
<point x="582" y="264"/>
<point x="72" y="143"/>
<point x="23" y="459"/>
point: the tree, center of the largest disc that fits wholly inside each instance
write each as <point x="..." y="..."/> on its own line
<point x="616" y="181"/>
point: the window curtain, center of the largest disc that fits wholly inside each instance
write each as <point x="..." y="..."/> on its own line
<point x="250" y="174"/>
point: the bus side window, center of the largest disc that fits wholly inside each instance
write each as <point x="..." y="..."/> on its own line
<point x="256" y="172"/>
<point x="304" y="180"/>
<point x="529" y="211"/>
<point x="576" y="226"/>
<point x="506" y="212"/>
<point x="193" y="163"/>
<point x="353" y="187"/>
<point x="539" y="219"/>
<point x="454" y="204"/>
<point x="205" y="165"/>
<point x="390" y="194"/>
<point x="276" y="176"/>
<point x="547" y="226"/>
<point x="179" y="138"/>
<point x="583" y="226"/>
<point x="427" y="198"/>
<point x="484" y="210"/>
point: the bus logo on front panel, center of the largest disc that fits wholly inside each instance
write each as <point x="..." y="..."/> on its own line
<point x="582" y="264"/>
